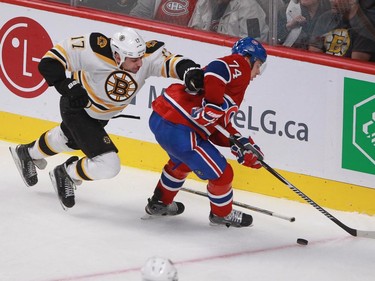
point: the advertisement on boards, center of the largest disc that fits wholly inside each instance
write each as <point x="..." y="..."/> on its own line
<point x="23" y="43"/>
<point x="294" y="111"/>
<point x="358" y="149"/>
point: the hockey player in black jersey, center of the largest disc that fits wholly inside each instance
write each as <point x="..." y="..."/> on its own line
<point x="106" y="74"/>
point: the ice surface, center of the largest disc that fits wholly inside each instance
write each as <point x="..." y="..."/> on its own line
<point x="104" y="238"/>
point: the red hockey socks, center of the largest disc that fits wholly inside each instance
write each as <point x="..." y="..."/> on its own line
<point x="220" y="193"/>
<point x="171" y="181"/>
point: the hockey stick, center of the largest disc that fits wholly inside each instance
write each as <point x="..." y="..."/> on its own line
<point x="246" y="206"/>
<point x="126" y="116"/>
<point x="351" y="231"/>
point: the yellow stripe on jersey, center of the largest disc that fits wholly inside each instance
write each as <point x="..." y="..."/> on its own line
<point x="163" y="69"/>
<point x="108" y="107"/>
<point x="51" y="55"/>
<point x="170" y="64"/>
<point x="172" y="68"/>
<point x="48" y="145"/>
<point x="106" y="59"/>
<point x="63" y="52"/>
<point x="89" y="90"/>
<point x="81" y="169"/>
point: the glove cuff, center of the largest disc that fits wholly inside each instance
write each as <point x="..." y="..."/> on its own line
<point x="188" y="69"/>
<point x="65" y="86"/>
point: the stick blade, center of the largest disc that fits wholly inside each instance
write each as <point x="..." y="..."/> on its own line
<point x="366" y="234"/>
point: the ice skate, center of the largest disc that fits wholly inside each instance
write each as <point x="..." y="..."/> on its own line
<point x="235" y="219"/>
<point x="158" y="208"/>
<point x="63" y="184"/>
<point x="26" y="165"/>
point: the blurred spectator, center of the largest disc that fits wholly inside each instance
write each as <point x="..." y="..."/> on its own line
<point x="278" y="4"/>
<point x="171" y="11"/>
<point x="344" y="31"/>
<point x="238" y="18"/>
<point x="116" y="6"/>
<point x="368" y="7"/>
<point x="367" y="15"/>
<point x="300" y="17"/>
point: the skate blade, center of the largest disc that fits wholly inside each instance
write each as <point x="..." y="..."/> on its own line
<point x="219" y="225"/>
<point x="54" y="184"/>
<point x="148" y="217"/>
<point x="227" y="225"/>
<point x="151" y="217"/>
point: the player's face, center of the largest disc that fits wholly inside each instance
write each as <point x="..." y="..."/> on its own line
<point x="132" y="64"/>
<point x="255" y="71"/>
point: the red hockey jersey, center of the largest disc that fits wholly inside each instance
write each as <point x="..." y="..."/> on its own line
<point x="225" y="82"/>
<point x="175" y="11"/>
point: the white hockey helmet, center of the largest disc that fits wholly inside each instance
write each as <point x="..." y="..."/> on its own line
<point x="159" y="269"/>
<point x="127" y="43"/>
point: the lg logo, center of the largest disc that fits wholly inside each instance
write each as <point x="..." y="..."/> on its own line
<point x="23" y="42"/>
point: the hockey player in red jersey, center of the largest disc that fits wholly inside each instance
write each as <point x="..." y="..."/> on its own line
<point x="106" y="74"/>
<point x="184" y="126"/>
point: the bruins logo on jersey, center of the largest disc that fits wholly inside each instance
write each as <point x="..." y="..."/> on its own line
<point x="106" y="140"/>
<point x="102" y="41"/>
<point x="153" y="45"/>
<point x="120" y="86"/>
<point x="337" y="42"/>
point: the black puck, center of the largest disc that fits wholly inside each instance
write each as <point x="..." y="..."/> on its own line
<point x="303" y="242"/>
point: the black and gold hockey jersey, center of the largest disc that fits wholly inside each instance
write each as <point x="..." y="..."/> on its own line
<point x="90" y="61"/>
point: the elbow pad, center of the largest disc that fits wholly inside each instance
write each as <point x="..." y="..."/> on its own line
<point x="52" y="71"/>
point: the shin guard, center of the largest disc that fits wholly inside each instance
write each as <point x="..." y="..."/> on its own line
<point x="220" y="193"/>
<point x="171" y="181"/>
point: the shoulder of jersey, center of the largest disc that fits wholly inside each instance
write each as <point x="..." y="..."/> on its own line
<point x="100" y="45"/>
<point x="231" y="57"/>
<point x="152" y="46"/>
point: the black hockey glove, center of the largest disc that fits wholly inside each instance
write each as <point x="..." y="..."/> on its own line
<point x="74" y="91"/>
<point x="193" y="78"/>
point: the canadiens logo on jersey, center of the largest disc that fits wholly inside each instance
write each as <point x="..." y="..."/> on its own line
<point x="175" y="11"/>
<point x="175" y="7"/>
<point x="120" y="86"/>
<point x="337" y="42"/>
